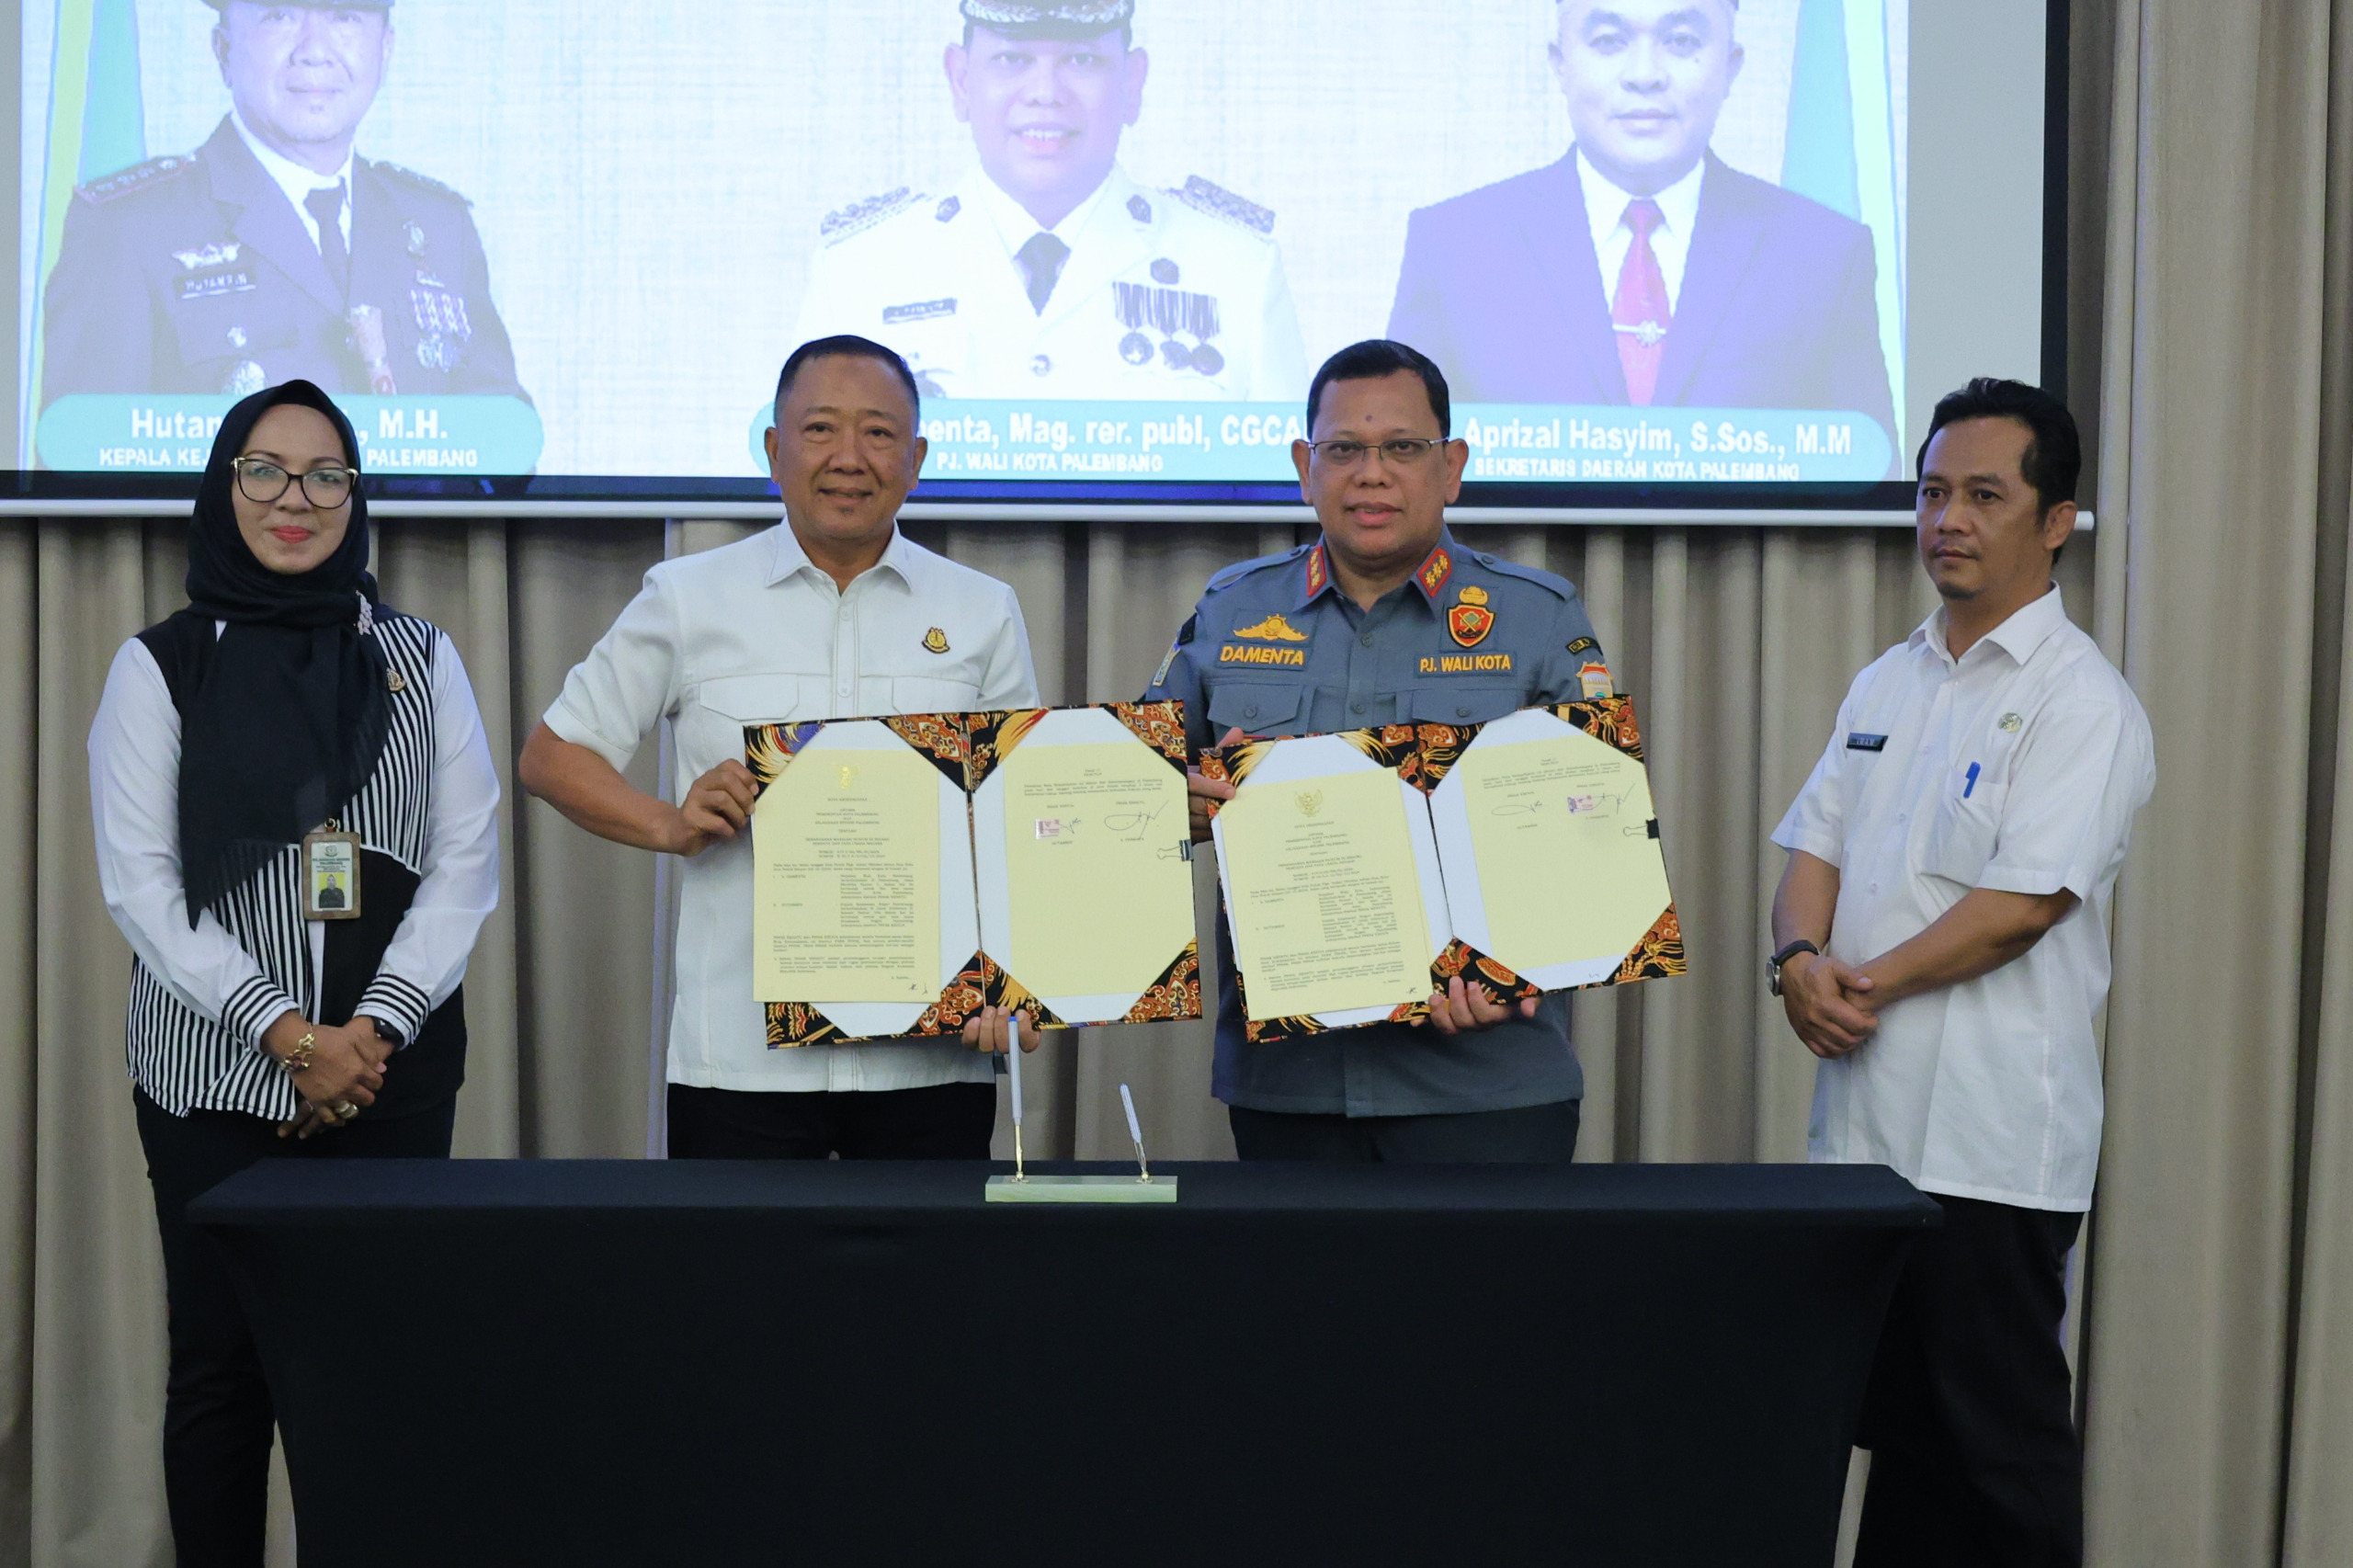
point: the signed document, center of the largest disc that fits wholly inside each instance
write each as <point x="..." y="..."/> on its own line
<point x="1562" y="860"/>
<point x="1368" y="871"/>
<point x="910" y="871"/>
<point x="1098" y="886"/>
<point x="845" y="888"/>
<point x="1324" y="895"/>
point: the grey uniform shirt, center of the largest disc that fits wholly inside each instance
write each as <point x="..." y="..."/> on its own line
<point x="1276" y="648"/>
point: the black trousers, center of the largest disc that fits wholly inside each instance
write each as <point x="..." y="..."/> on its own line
<point x="946" y="1121"/>
<point x="217" y="1418"/>
<point x="1969" y="1416"/>
<point x="1537" y="1134"/>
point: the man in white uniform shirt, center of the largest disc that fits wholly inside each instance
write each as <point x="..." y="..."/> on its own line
<point x="1942" y="945"/>
<point x="1046" y="271"/>
<point x="833" y="614"/>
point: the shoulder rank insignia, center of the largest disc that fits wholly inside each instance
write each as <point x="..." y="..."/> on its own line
<point x="124" y="181"/>
<point x="1582" y="643"/>
<point x="1274" y="629"/>
<point x="1203" y="197"/>
<point x="860" y="216"/>
<point x="1469" y="621"/>
<point x="936" y="641"/>
<point x="1318" y="574"/>
<point x="423" y="182"/>
<point x="1437" y="570"/>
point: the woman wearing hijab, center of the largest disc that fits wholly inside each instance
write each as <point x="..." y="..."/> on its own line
<point x="297" y="830"/>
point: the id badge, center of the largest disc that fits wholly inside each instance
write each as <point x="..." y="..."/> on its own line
<point x="331" y="875"/>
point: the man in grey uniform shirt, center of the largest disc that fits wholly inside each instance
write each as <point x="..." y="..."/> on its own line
<point x="1386" y="619"/>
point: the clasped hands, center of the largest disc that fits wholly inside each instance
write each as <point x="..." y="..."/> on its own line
<point x="347" y="1068"/>
<point x="1461" y="1008"/>
<point x="1829" y="1005"/>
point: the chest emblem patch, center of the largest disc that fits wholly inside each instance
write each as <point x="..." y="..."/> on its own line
<point x="936" y="641"/>
<point x="1274" y="629"/>
<point x="1469" y="621"/>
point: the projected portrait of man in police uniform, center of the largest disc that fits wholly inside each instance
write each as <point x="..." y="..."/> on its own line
<point x="272" y="252"/>
<point x="1047" y="271"/>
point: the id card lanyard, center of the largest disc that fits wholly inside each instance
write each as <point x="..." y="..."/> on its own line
<point x="330" y="874"/>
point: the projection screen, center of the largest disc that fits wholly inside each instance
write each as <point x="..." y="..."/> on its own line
<point x="1669" y="251"/>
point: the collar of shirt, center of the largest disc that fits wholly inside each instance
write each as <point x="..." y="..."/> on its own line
<point x="1605" y="214"/>
<point x="298" y="182"/>
<point x="2020" y="636"/>
<point x="1016" y="227"/>
<point x="790" y="558"/>
<point x="1430" y="576"/>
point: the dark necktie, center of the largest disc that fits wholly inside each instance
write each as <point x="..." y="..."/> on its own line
<point x="326" y="205"/>
<point x="1041" y="263"/>
<point x="1639" y="310"/>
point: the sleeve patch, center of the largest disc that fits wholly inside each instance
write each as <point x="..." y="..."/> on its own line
<point x="1582" y="643"/>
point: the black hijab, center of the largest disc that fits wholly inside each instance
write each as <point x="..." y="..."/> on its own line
<point x="292" y="713"/>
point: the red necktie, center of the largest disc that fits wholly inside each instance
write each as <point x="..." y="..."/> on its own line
<point x="1639" y="310"/>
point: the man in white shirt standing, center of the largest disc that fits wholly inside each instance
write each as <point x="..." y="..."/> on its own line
<point x="1942" y="945"/>
<point x="833" y="614"/>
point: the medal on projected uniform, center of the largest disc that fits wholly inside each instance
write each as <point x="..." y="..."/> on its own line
<point x="331" y="875"/>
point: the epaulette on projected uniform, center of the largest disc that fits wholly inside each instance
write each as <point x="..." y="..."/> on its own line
<point x="136" y="177"/>
<point x="860" y="216"/>
<point x="1241" y="569"/>
<point x="422" y="182"/>
<point x="1218" y="202"/>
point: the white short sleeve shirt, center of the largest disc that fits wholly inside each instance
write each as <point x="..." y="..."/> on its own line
<point x="754" y="633"/>
<point x="2016" y="767"/>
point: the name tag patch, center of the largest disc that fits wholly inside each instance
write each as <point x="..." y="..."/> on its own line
<point x="1858" y="741"/>
<point x="1466" y="663"/>
<point x="211" y="284"/>
<point x="1232" y="655"/>
<point x="919" y="309"/>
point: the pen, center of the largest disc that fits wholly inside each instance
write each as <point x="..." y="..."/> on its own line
<point x="1013" y="1065"/>
<point x="1972" y="781"/>
<point x="1135" y="1133"/>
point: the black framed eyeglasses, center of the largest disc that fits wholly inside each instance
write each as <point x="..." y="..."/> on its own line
<point x="1399" y="451"/>
<point x="327" y="488"/>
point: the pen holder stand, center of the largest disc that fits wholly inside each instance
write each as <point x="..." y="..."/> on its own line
<point x="1082" y="1189"/>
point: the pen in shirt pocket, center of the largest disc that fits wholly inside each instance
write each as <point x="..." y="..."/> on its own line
<point x="1970" y="785"/>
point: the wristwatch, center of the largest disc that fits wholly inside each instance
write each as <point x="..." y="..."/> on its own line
<point x="1773" y="965"/>
<point x="388" y="1034"/>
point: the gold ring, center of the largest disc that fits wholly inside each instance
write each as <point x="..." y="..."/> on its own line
<point x="345" y="1110"/>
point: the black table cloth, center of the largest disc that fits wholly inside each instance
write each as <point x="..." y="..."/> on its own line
<point x="635" y="1362"/>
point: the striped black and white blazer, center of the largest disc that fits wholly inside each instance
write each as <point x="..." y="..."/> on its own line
<point x="427" y="822"/>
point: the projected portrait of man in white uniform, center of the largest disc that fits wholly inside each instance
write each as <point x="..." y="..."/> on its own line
<point x="1047" y="271"/>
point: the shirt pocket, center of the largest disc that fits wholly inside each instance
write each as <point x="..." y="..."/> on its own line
<point x="710" y="727"/>
<point x="1258" y="709"/>
<point x="1467" y="704"/>
<point x="933" y="693"/>
<point x="1961" y="834"/>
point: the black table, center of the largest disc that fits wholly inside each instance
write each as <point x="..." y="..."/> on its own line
<point x="631" y="1362"/>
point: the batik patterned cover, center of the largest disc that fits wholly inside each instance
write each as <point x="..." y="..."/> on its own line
<point x="1420" y="754"/>
<point x="966" y="747"/>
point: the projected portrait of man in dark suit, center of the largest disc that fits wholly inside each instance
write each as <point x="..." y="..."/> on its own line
<point x="1640" y="269"/>
<point x="273" y="251"/>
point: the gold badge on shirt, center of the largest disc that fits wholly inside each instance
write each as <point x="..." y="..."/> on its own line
<point x="936" y="640"/>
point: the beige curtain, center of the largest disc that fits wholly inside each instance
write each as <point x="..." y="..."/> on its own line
<point x="2211" y="358"/>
